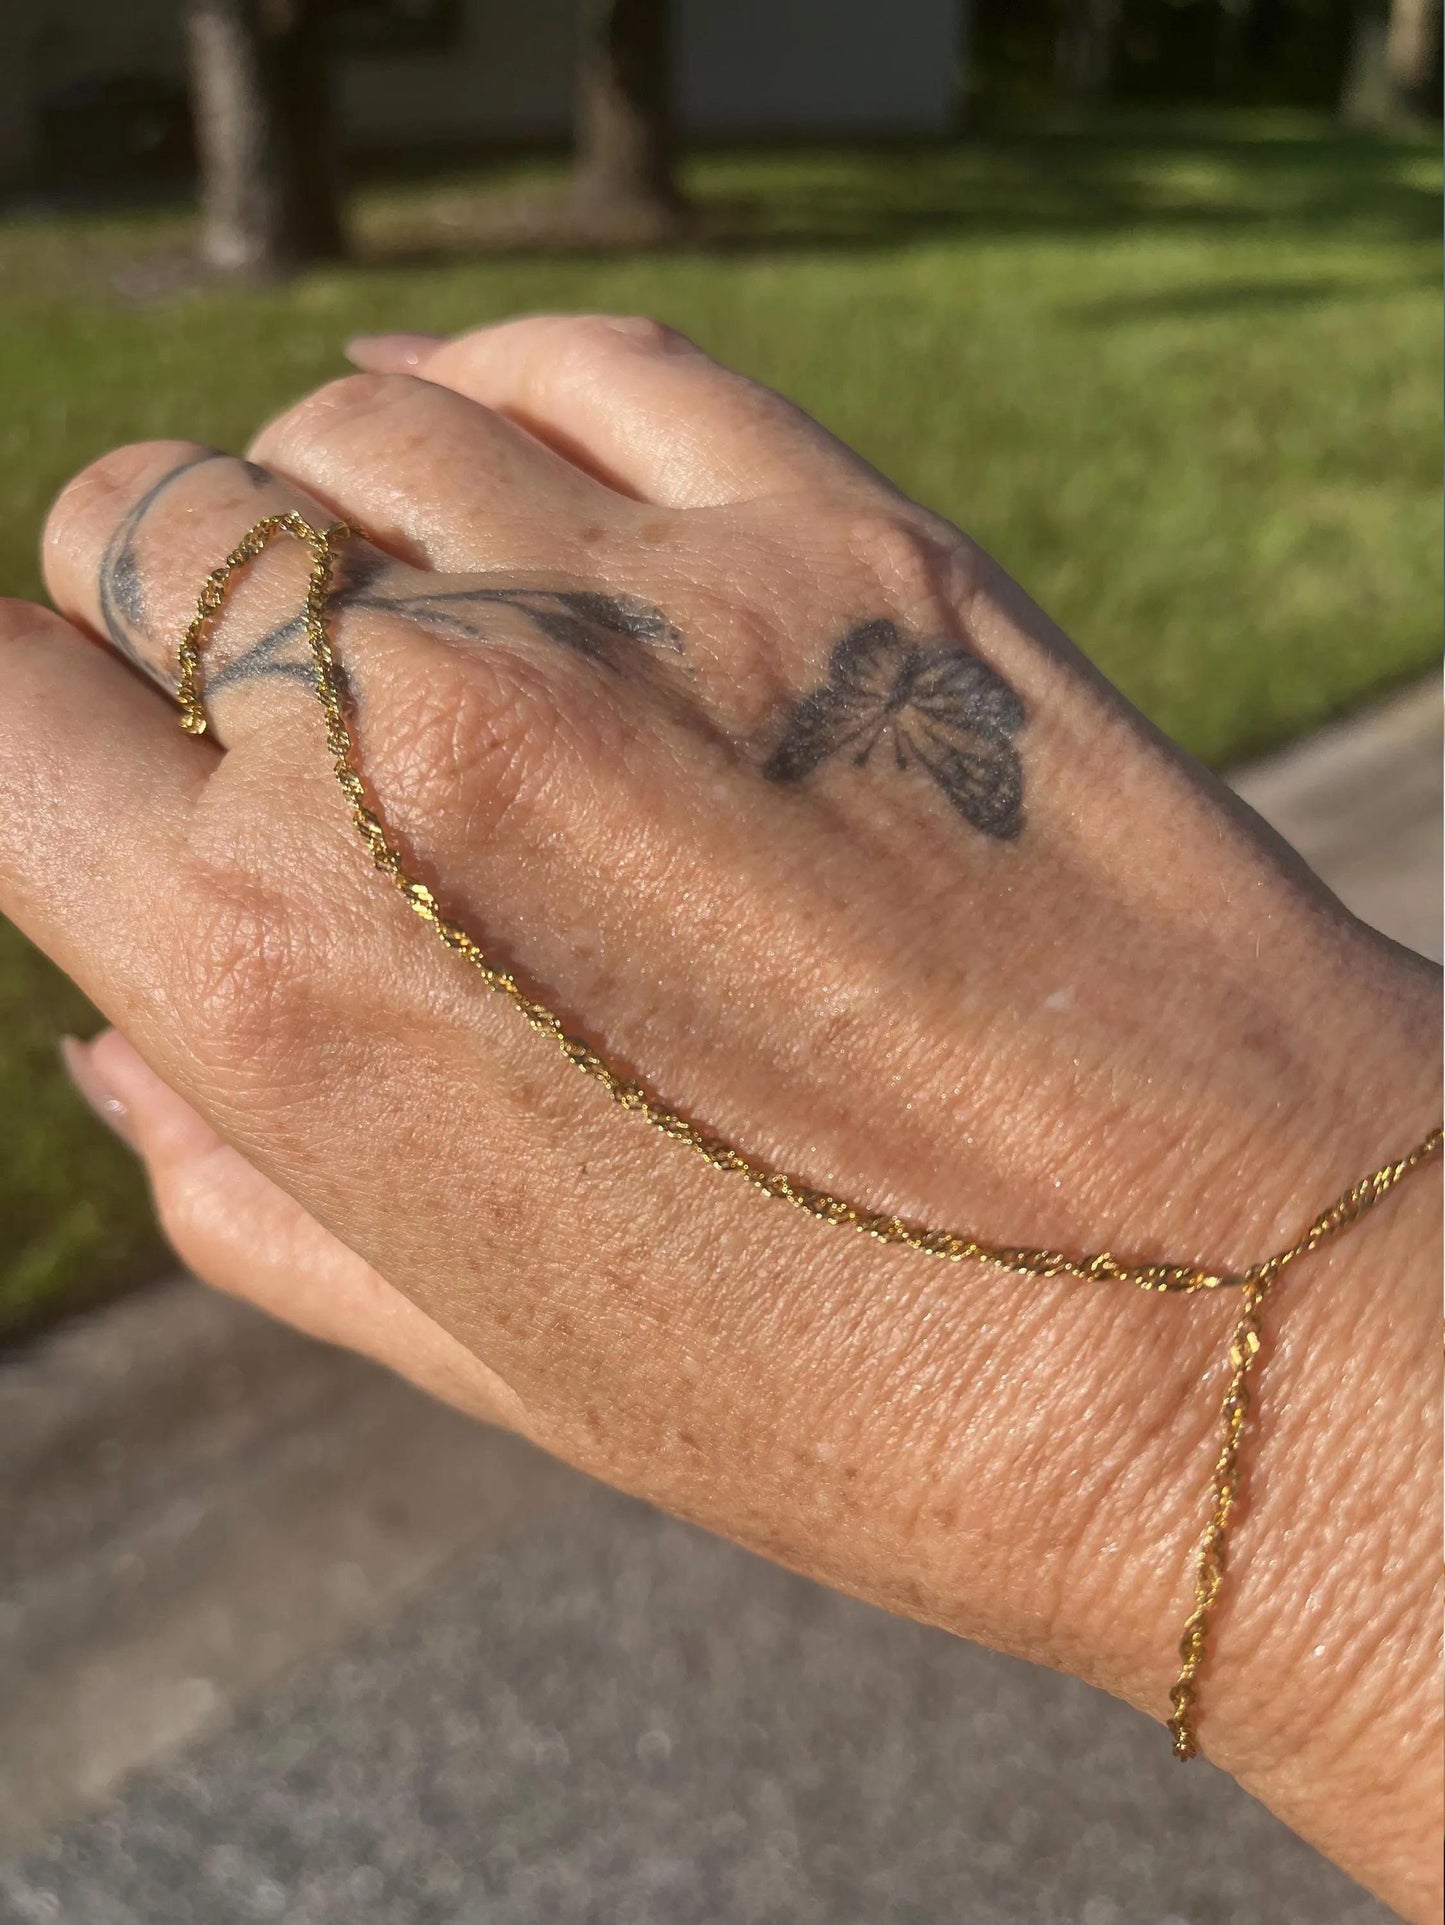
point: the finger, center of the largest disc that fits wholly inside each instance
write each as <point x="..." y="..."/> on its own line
<point x="241" y="1233"/>
<point x="438" y="479"/>
<point x="634" y="402"/>
<point x="97" y="785"/>
<point x="129" y="543"/>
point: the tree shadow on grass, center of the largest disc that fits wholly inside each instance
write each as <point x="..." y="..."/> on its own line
<point x="1201" y="300"/>
<point x="872" y="198"/>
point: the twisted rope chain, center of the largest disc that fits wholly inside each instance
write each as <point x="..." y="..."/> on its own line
<point x="953" y="1246"/>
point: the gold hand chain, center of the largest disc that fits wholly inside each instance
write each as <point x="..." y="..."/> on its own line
<point x="952" y="1245"/>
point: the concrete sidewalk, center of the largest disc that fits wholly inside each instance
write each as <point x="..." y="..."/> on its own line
<point x="1360" y="801"/>
<point x="281" y="1639"/>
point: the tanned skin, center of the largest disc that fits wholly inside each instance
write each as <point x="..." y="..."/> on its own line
<point x="792" y="803"/>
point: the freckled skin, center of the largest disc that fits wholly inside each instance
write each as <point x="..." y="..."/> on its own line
<point x="783" y="795"/>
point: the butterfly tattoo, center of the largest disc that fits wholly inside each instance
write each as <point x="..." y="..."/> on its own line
<point x="939" y="709"/>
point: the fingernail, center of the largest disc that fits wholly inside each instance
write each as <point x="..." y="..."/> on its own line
<point x="93" y="1088"/>
<point x="390" y="353"/>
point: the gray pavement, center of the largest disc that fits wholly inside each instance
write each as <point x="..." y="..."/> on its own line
<point x="280" y="1639"/>
<point x="1360" y="801"/>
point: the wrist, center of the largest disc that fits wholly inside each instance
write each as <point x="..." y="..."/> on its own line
<point x="1321" y="1687"/>
<point x="1325" y="1689"/>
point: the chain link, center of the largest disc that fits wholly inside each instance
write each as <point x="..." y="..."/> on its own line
<point x="951" y="1245"/>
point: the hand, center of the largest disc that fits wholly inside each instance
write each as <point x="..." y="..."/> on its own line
<point x="789" y="801"/>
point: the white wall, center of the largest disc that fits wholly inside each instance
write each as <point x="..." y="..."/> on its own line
<point x="818" y="66"/>
<point x="742" y="66"/>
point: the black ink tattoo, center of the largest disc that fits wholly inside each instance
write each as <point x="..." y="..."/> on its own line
<point x="588" y="622"/>
<point x="280" y="653"/>
<point x="119" y="587"/>
<point x="605" y="629"/>
<point x="940" y="707"/>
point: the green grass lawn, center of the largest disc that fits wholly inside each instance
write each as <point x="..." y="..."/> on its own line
<point x="1180" y="378"/>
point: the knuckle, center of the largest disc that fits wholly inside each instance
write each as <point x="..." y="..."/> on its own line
<point x="242" y="971"/>
<point x="642" y="331"/>
<point x="111" y="484"/>
<point x="915" y="563"/>
<point x="578" y="344"/>
<point x="349" y="398"/>
<point x="23" y="622"/>
<point x="465" y="751"/>
<point x="603" y="333"/>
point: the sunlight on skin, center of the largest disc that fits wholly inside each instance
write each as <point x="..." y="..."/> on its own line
<point x="634" y="773"/>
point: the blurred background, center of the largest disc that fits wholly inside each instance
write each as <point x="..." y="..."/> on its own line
<point x="1143" y="293"/>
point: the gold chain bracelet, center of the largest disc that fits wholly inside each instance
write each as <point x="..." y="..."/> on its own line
<point x="1254" y="1283"/>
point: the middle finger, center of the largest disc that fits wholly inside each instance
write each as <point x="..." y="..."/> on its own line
<point x="440" y="480"/>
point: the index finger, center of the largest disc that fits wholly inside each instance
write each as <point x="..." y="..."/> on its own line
<point x="128" y="548"/>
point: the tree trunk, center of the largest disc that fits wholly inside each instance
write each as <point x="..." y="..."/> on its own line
<point x="269" y="199"/>
<point x="1412" y="52"/>
<point x="624" y="186"/>
<point x="967" y="74"/>
<point x="1233" y="35"/>
<point x="1393" y="71"/>
<point x="1088" y="38"/>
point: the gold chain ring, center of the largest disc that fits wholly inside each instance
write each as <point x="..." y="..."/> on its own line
<point x="953" y="1246"/>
